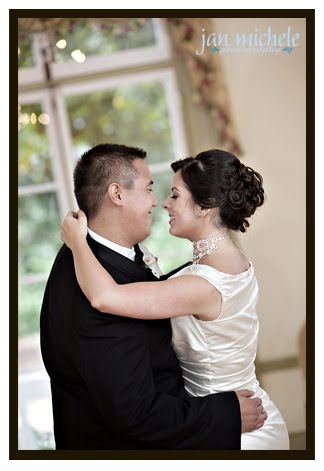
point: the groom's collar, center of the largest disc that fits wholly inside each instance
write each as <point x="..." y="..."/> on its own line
<point x="131" y="269"/>
<point x="125" y="251"/>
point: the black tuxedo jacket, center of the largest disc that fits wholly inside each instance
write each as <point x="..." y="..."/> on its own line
<point x="115" y="381"/>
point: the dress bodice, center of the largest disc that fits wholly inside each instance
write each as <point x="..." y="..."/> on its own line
<point x="219" y="355"/>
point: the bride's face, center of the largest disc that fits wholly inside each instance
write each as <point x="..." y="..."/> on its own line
<point x="182" y="210"/>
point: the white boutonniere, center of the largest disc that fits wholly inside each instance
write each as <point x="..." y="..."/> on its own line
<point x="150" y="261"/>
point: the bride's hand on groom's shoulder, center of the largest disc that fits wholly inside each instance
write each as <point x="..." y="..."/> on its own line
<point x="74" y="229"/>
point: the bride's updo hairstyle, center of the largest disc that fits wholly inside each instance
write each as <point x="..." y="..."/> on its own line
<point x="217" y="179"/>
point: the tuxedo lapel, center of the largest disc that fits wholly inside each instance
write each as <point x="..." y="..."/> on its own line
<point x="123" y="264"/>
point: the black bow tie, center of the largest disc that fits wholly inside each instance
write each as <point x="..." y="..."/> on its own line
<point x="139" y="256"/>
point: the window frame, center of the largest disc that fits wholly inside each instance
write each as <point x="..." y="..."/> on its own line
<point x="136" y="66"/>
<point x="127" y="59"/>
<point x="166" y="76"/>
<point x="34" y="75"/>
<point x="43" y="98"/>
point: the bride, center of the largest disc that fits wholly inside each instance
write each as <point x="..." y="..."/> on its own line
<point x="213" y="302"/>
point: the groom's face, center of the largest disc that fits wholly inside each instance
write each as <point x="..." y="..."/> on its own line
<point x="139" y="202"/>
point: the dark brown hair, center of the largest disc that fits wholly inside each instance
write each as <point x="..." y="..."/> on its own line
<point x="98" y="168"/>
<point x="218" y="179"/>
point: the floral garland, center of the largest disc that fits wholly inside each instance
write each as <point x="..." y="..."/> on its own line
<point x="54" y="26"/>
<point x="206" y="76"/>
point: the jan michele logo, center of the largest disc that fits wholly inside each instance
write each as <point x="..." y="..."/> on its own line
<point x="256" y="42"/>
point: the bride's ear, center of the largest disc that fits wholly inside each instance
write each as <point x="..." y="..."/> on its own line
<point x="204" y="212"/>
<point x="115" y="192"/>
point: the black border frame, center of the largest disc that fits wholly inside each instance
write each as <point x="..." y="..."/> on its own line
<point x="309" y="453"/>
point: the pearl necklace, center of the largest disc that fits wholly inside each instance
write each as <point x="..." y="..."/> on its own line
<point x="204" y="247"/>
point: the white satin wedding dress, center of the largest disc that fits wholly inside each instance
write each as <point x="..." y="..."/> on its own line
<point x="219" y="355"/>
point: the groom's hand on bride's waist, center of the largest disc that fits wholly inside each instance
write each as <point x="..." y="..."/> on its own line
<point x="253" y="415"/>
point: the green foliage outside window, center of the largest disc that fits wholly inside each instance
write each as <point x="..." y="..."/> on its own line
<point x="29" y="305"/>
<point x="25" y="54"/>
<point x="134" y="115"/>
<point x="34" y="162"/>
<point x="39" y="233"/>
<point x="103" y="38"/>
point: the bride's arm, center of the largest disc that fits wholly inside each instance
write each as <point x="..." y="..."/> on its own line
<point x="179" y="296"/>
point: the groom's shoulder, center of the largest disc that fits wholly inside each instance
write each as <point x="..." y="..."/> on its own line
<point x="63" y="258"/>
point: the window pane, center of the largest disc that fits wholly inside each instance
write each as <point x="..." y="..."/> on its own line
<point x="30" y="299"/>
<point x="102" y="37"/>
<point x="25" y="54"/>
<point x="34" y="165"/>
<point x="134" y="115"/>
<point x="171" y="251"/>
<point x="38" y="234"/>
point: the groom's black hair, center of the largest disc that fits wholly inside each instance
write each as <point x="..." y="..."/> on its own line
<point x="100" y="166"/>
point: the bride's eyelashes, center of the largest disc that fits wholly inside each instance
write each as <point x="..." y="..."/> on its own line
<point x="174" y="197"/>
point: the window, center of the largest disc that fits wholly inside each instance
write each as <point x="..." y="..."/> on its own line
<point x="118" y="87"/>
<point x="63" y="119"/>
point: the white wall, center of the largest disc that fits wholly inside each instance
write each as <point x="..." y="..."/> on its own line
<point x="268" y="101"/>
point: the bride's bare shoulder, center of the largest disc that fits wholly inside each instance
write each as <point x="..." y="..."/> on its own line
<point x="232" y="263"/>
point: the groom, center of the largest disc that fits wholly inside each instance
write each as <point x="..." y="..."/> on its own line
<point x="115" y="381"/>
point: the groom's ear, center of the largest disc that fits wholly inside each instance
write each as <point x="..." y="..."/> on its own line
<point x="115" y="193"/>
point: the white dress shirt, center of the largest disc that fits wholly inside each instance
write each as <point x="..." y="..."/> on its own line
<point x="126" y="251"/>
<point x="148" y="258"/>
